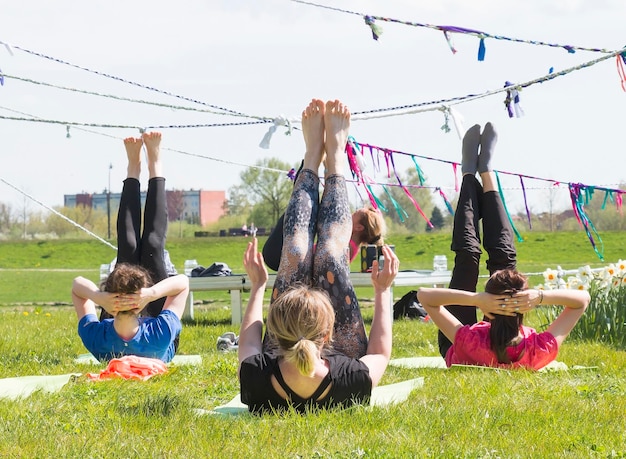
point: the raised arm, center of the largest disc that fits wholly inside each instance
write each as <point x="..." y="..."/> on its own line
<point x="84" y="296"/>
<point x="380" y="339"/>
<point x="575" y="302"/>
<point x="175" y="289"/>
<point x="251" y="332"/>
<point x="432" y="299"/>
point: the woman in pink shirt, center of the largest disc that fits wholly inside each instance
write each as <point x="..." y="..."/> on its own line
<point x="502" y="340"/>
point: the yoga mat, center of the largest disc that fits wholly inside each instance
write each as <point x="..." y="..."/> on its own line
<point x="439" y="362"/>
<point x="419" y="362"/>
<point x="23" y="386"/>
<point x="177" y="360"/>
<point x="381" y="396"/>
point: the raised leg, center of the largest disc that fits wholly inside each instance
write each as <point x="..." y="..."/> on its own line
<point x="155" y="219"/>
<point x="466" y="234"/>
<point x="334" y="228"/>
<point x="498" y="238"/>
<point x="129" y="214"/>
<point x="296" y="263"/>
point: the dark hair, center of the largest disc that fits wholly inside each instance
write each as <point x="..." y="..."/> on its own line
<point x="504" y="330"/>
<point x="127" y="278"/>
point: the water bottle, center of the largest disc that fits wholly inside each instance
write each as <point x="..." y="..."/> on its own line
<point x="189" y="265"/>
<point x="440" y="263"/>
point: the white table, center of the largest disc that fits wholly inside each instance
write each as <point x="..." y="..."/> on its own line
<point x="237" y="283"/>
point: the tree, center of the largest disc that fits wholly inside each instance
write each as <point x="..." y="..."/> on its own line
<point x="436" y="219"/>
<point x="93" y="220"/>
<point x="237" y="202"/>
<point x="267" y="188"/>
<point x="175" y="205"/>
<point x="7" y="220"/>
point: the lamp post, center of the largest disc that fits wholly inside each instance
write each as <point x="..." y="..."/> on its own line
<point x="109" y="202"/>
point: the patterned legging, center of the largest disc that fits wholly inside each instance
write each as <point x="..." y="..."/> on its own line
<point x="327" y="266"/>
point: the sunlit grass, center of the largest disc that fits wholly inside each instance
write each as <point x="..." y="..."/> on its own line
<point x="458" y="412"/>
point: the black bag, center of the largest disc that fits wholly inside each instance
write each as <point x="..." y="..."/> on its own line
<point x="216" y="269"/>
<point x="408" y="306"/>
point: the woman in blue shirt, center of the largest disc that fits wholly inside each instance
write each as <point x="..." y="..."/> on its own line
<point x="144" y="306"/>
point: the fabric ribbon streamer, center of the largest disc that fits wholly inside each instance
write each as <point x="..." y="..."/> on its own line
<point x="420" y="172"/>
<point x="517" y="234"/>
<point x="352" y="151"/>
<point x="377" y="30"/>
<point x="402" y="214"/>
<point x="578" y="193"/>
<point x="449" y="41"/>
<point x="481" y="49"/>
<point x="457" y="119"/>
<point x="512" y="101"/>
<point x="389" y="160"/>
<point x="456" y="178"/>
<point x="445" y="200"/>
<point x="621" y="61"/>
<point x="608" y="195"/>
<point x="279" y="121"/>
<point x="446" y="117"/>
<point x="521" y="181"/>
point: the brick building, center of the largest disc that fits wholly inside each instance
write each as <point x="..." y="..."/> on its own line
<point x="195" y="206"/>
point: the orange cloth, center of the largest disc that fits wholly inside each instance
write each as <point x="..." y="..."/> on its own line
<point x="130" y="367"/>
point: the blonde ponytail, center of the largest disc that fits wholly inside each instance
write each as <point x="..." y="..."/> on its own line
<point x="301" y="320"/>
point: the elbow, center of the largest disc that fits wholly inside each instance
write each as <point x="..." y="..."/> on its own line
<point x="586" y="300"/>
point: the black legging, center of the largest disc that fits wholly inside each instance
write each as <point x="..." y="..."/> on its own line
<point x="147" y="249"/>
<point x="273" y="247"/>
<point x="498" y="242"/>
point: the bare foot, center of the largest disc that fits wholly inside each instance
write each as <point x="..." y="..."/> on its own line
<point x="152" y="140"/>
<point x="133" y="151"/>
<point x="313" y="132"/>
<point x="337" y="123"/>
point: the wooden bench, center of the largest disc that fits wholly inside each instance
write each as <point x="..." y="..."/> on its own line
<point x="237" y="283"/>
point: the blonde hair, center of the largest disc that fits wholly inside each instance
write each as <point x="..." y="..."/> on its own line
<point x="301" y="320"/>
<point x="374" y="226"/>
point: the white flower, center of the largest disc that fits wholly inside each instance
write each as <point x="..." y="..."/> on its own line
<point x="621" y="267"/>
<point x="585" y="274"/>
<point x="575" y="283"/>
<point x="550" y="275"/>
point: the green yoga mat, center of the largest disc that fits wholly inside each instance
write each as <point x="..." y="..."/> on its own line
<point x="23" y="386"/>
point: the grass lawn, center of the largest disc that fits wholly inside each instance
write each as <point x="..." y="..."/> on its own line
<point x="458" y="413"/>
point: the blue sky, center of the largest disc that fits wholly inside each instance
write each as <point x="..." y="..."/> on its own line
<point x="268" y="58"/>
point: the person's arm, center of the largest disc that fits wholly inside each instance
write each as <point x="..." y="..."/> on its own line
<point x="380" y="338"/>
<point x="575" y="302"/>
<point x="85" y="296"/>
<point x="251" y="332"/>
<point x="432" y="299"/>
<point x="176" y="289"/>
